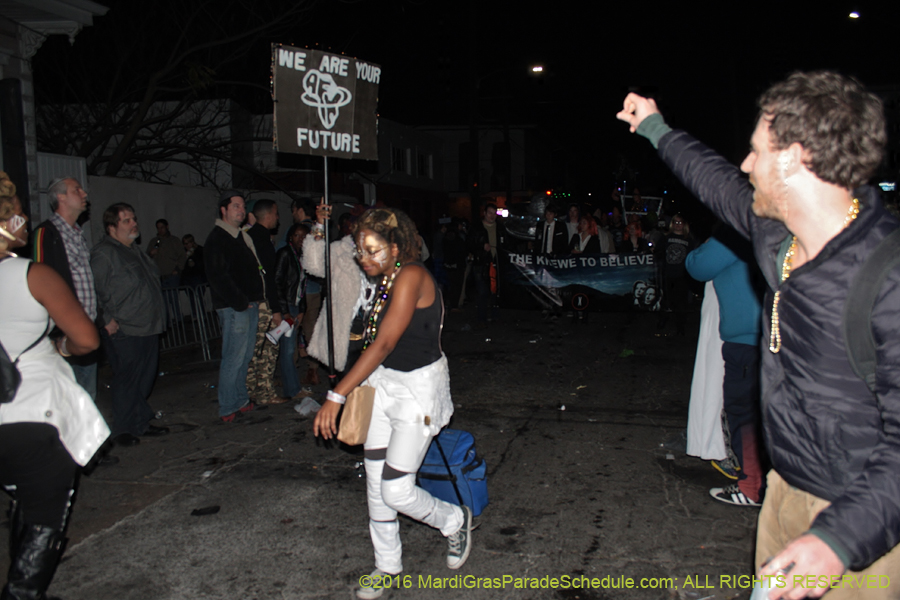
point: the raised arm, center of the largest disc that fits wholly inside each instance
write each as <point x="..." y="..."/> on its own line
<point x="635" y="109"/>
<point x="713" y="180"/>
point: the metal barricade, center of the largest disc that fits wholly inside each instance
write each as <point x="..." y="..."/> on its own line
<point x="190" y="319"/>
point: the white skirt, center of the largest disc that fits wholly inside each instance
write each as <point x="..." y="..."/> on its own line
<point x="704" y="432"/>
<point x="49" y="394"/>
<point x="429" y="386"/>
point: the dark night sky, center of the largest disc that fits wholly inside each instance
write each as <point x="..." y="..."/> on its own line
<point x="704" y="62"/>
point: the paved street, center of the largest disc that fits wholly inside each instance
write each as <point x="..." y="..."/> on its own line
<point x="581" y="425"/>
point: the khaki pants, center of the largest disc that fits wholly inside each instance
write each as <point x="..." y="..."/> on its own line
<point x="787" y="513"/>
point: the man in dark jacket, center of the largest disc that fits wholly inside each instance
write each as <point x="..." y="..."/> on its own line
<point x="552" y="237"/>
<point x="260" y="384"/>
<point x="236" y="287"/>
<point x="168" y="253"/>
<point x="833" y="498"/>
<point x="130" y="303"/>
<point x="59" y="242"/>
<point x="483" y="241"/>
<point x="194" y="273"/>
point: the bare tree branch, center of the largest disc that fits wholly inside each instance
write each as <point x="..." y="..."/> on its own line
<point x="132" y="104"/>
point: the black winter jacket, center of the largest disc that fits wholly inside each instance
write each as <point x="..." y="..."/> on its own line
<point x="825" y="431"/>
<point x="265" y="251"/>
<point x="48" y="247"/>
<point x="478" y="237"/>
<point x="232" y="270"/>
<point x="288" y="276"/>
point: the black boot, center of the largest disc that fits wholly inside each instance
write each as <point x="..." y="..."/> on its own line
<point x="34" y="563"/>
<point x="16" y="524"/>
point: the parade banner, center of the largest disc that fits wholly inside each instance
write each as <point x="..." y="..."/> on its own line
<point x="325" y="104"/>
<point x="596" y="282"/>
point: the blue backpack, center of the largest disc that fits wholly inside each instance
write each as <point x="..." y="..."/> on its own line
<point x="453" y="471"/>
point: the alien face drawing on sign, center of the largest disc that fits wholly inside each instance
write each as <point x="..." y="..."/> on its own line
<point x="322" y="92"/>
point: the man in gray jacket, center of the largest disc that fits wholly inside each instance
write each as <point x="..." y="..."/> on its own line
<point x="130" y="303"/>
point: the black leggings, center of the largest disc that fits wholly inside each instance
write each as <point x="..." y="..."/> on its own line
<point x="37" y="471"/>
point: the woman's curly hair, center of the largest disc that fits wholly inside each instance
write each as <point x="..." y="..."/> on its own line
<point x="7" y="193"/>
<point x="395" y="227"/>
<point x="7" y="203"/>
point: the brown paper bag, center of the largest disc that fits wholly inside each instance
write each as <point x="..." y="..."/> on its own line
<point x="357" y="415"/>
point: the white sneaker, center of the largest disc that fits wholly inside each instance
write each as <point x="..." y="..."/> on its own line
<point x="732" y="494"/>
<point x="460" y="542"/>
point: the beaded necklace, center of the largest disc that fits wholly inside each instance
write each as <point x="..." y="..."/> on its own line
<point x="775" y="333"/>
<point x="381" y="297"/>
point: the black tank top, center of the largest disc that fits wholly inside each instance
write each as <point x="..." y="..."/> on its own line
<point x="420" y="344"/>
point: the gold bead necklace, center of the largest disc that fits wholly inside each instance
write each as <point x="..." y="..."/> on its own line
<point x="775" y="333"/>
<point x="384" y="290"/>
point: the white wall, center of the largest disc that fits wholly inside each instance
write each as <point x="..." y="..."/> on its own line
<point x="187" y="209"/>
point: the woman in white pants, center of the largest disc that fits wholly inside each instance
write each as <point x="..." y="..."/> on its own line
<point x="403" y="361"/>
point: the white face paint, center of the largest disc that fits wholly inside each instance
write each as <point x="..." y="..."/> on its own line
<point x="14" y="228"/>
<point x="16" y="222"/>
<point x="372" y="252"/>
<point x="767" y="168"/>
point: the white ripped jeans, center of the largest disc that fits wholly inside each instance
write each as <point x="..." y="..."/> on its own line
<point x="402" y="403"/>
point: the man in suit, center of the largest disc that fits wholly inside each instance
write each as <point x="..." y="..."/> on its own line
<point x="552" y="237"/>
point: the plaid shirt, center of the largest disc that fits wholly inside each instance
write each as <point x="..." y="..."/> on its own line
<point x="79" y="263"/>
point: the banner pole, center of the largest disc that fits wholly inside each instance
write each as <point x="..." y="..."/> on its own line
<point x="332" y="378"/>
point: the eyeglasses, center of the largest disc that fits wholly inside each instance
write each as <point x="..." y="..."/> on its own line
<point x="370" y="254"/>
<point x="677" y="222"/>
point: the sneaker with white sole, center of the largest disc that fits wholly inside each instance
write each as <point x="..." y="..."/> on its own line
<point x="375" y="585"/>
<point x="732" y="494"/>
<point x="460" y="543"/>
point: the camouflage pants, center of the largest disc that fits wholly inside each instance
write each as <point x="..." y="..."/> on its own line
<point x="260" y="375"/>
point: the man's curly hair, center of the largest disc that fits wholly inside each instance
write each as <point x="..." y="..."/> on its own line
<point x="840" y="124"/>
<point x="395" y="227"/>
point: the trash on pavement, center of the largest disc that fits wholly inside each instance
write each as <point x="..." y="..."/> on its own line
<point x="307" y="407"/>
<point x="202" y="512"/>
